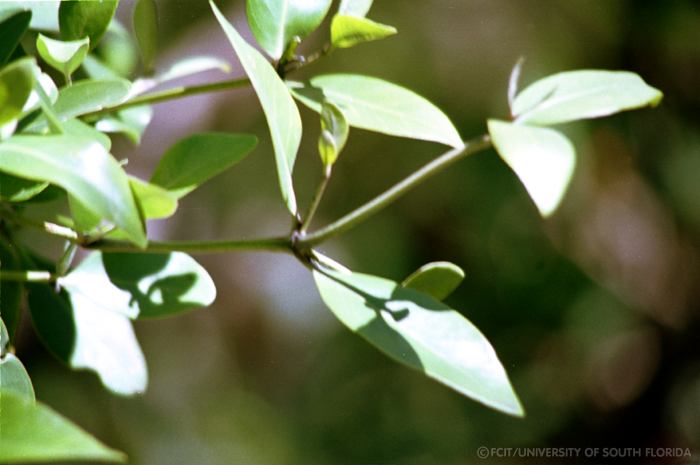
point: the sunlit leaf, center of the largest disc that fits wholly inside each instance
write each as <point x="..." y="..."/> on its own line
<point x="65" y="56"/>
<point x="420" y="332"/>
<point x="279" y="108"/>
<point x="90" y="95"/>
<point x="85" y="18"/>
<point x="154" y="201"/>
<point x="85" y="335"/>
<point x="276" y="22"/>
<point x="13" y="25"/>
<point x="132" y="122"/>
<point x="183" y="68"/>
<point x="145" y="23"/>
<point x="199" y="157"/>
<point x="14" y="378"/>
<point x="575" y="95"/>
<point x="78" y="128"/>
<point x="16" y="84"/>
<point x="83" y="168"/>
<point x="32" y="432"/>
<point x="354" y="7"/>
<point x="542" y="158"/>
<point x="348" y="31"/>
<point x="44" y="12"/>
<point x="141" y="285"/>
<point x="437" y="279"/>
<point x="380" y="106"/>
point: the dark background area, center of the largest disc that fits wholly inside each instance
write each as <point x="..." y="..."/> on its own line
<point x="594" y="312"/>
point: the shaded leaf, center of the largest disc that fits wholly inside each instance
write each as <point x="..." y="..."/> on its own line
<point x="199" y="157"/>
<point x="420" y="332"/>
<point x="16" y="84"/>
<point x="32" y="432"/>
<point x="280" y="111"/>
<point x="13" y="25"/>
<point x="380" y="106"/>
<point x="14" y="189"/>
<point x="65" y="56"/>
<point x="542" y="158"/>
<point x="141" y="285"/>
<point x="10" y="295"/>
<point x="437" y="279"/>
<point x="334" y="133"/>
<point x="145" y="24"/>
<point x="575" y="95"/>
<point x="83" y="168"/>
<point x="85" y="335"/>
<point x="348" y="31"/>
<point x="85" y="18"/>
<point x="276" y="22"/>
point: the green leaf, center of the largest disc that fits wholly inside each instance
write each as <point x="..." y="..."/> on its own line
<point x="420" y="332"/>
<point x="141" y="285"/>
<point x="279" y="108"/>
<point x="85" y="18"/>
<point x="16" y="84"/>
<point x="78" y="128"/>
<point x="376" y="105"/>
<point x="132" y="122"/>
<point x="276" y="22"/>
<point x="83" y="168"/>
<point x="10" y="295"/>
<point x="44" y="12"/>
<point x="348" y="31"/>
<point x="13" y="25"/>
<point x="334" y="133"/>
<point x="354" y="7"/>
<point x="145" y="24"/>
<point x="85" y="335"/>
<point x="437" y="279"/>
<point x="65" y="56"/>
<point x="32" y="432"/>
<point x="90" y="95"/>
<point x="154" y="201"/>
<point x="582" y="94"/>
<point x="542" y="158"/>
<point x="199" y="157"/>
<point x="14" y="377"/>
<point x="14" y="189"/>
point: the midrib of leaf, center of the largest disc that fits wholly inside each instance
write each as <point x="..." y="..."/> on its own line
<point x="555" y="101"/>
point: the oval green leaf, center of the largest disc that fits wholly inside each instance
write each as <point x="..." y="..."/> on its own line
<point x="437" y="279"/>
<point x="13" y="25"/>
<point x="199" y="157"/>
<point x="280" y="111"/>
<point x="85" y="18"/>
<point x="154" y="201"/>
<point x="65" y="56"/>
<point x="376" y="105"/>
<point x="14" y="377"/>
<point x="90" y="95"/>
<point x="145" y="24"/>
<point x="83" y="168"/>
<point x="10" y="295"/>
<point x="85" y="335"/>
<point x="141" y="285"/>
<point x="276" y="22"/>
<point x="348" y="31"/>
<point x="575" y="95"/>
<point x="334" y="133"/>
<point x="32" y="432"/>
<point x="542" y="158"/>
<point x="420" y="332"/>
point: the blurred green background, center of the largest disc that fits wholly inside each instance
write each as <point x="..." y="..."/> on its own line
<point x="594" y="312"/>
